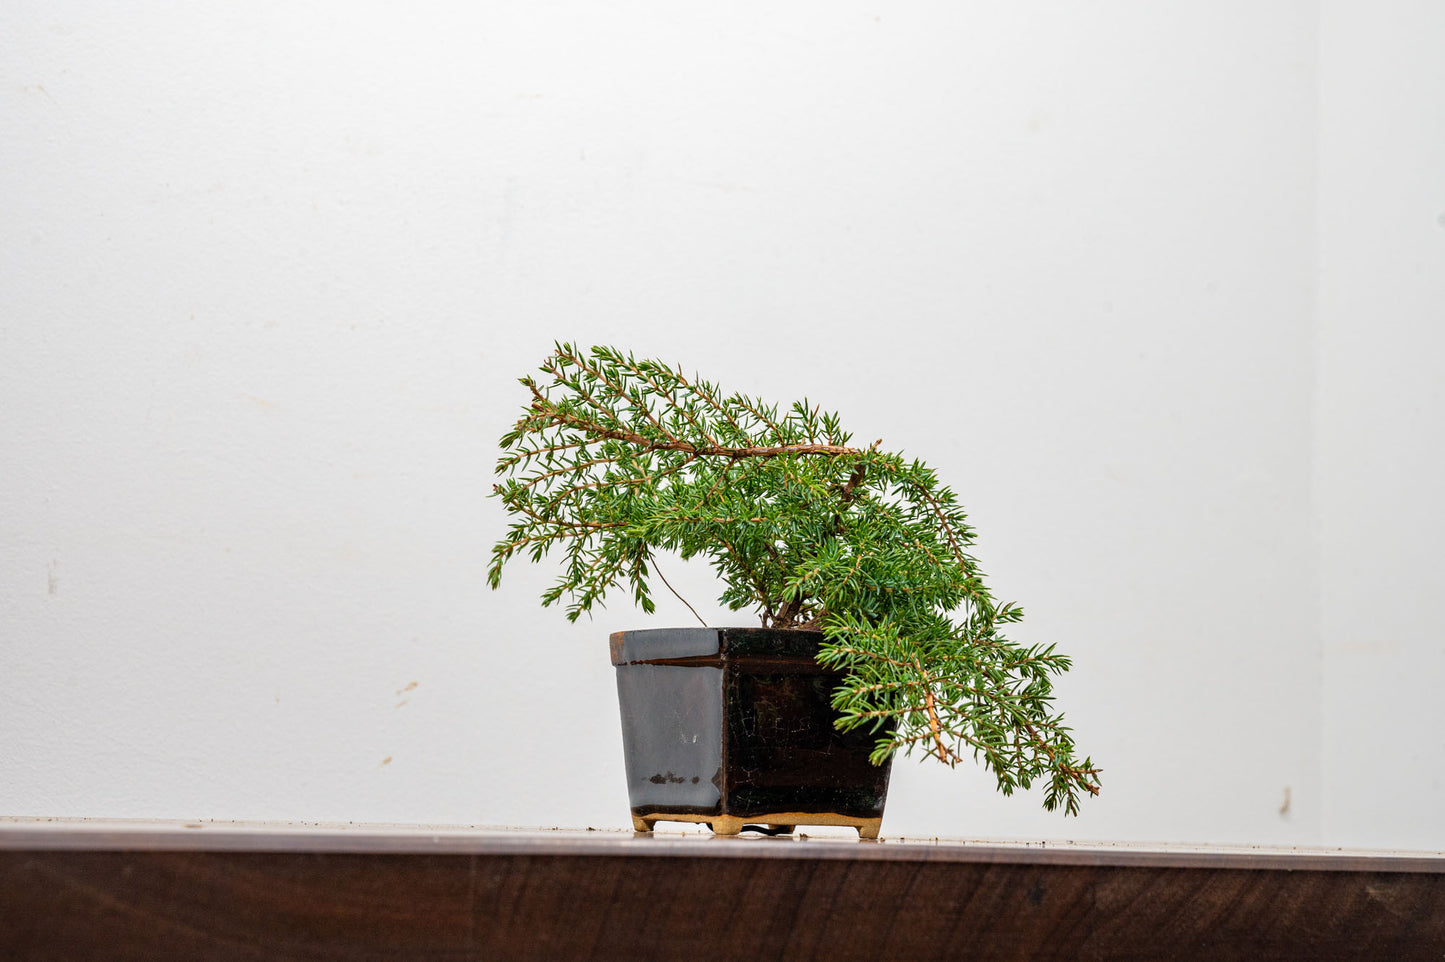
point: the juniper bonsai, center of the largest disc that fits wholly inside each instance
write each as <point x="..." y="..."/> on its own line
<point x="617" y="458"/>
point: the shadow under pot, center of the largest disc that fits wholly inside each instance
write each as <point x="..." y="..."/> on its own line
<point x="733" y="726"/>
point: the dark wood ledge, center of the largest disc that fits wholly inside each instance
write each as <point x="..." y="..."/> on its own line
<point x="151" y="891"/>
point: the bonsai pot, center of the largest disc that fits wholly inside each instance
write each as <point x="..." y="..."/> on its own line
<point x="731" y="726"/>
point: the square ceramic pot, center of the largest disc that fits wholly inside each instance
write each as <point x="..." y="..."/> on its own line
<point x="732" y="726"/>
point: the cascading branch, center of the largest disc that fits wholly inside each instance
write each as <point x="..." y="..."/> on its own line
<point x="617" y="458"/>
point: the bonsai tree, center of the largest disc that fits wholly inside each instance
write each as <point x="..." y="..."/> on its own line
<point x="617" y="458"/>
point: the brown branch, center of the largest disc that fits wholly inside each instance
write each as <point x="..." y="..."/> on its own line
<point x="791" y="608"/>
<point x="645" y="443"/>
<point x="854" y="479"/>
<point x="815" y="623"/>
<point x="675" y="594"/>
<point x="943" y="523"/>
<point x="934" y="727"/>
<point x="924" y="548"/>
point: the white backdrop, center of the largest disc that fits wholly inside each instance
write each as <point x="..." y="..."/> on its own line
<point x="1158" y="291"/>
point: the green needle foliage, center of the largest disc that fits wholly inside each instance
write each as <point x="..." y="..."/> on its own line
<point x="617" y="458"/>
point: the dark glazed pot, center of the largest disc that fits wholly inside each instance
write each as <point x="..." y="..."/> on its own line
<point x="735" y="725"/>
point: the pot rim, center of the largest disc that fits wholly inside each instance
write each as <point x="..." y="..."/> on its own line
<point x="714" y="646"/>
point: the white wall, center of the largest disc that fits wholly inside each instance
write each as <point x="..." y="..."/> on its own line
<point x="1379" y="459"/>
<point x="269" y="274"/>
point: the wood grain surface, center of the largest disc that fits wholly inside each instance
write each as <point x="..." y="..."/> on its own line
<point x="67" y="895"/>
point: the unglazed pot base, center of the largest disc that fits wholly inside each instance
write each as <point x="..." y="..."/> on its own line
<point x="786" y="821"/>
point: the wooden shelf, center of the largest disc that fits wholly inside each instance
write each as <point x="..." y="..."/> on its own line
<point x="147" y="891"/>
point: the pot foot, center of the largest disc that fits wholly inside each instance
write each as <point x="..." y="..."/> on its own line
<point x="777" y="823"/>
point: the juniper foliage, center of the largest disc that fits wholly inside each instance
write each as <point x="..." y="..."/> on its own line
<point x="617" y="458"/>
